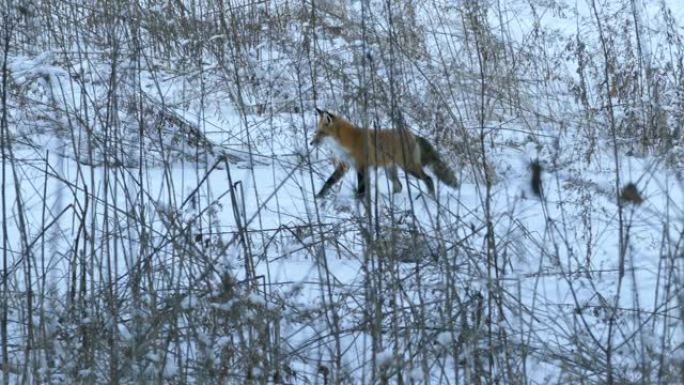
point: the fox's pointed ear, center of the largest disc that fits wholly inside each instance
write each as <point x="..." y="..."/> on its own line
<point x="320" y="112"/>
<point x="328" y="117"/>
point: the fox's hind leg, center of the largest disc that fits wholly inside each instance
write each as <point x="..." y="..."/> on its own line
<point x="419" y="173"/>
<point x="394" y="177"/>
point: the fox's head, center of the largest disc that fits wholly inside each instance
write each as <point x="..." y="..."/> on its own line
<point x="326" y="127"/>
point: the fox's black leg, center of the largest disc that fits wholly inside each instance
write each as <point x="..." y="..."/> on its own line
<point x="340" y="170"/>
<point x="362" y="181"/>
<point x="425" y="178"/>
<point x="430" y="184"/>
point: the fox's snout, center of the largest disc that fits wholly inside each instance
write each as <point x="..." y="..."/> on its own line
<point x="318" y="136"/>
<point x="325" y="121"/>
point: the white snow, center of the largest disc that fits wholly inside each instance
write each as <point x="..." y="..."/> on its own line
<point x="307" y="261"/>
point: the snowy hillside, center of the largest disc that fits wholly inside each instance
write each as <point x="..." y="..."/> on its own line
<point x="159" y="214"/>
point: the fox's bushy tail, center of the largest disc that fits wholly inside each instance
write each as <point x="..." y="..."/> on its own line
<point x="429" y="157"/>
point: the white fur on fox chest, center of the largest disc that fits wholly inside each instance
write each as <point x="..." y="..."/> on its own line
<point x="341" y="153"/>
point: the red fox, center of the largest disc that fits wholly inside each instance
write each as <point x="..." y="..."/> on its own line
<point x="389" y="148"/>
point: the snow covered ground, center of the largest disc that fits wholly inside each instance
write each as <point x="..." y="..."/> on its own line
<point x="181" y="231"/>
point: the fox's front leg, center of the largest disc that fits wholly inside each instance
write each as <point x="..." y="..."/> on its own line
<point x="340" y="170"/>
<point x="362" y="181"/>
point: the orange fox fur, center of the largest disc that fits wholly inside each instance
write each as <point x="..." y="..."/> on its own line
<point x="388" y="148"/>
